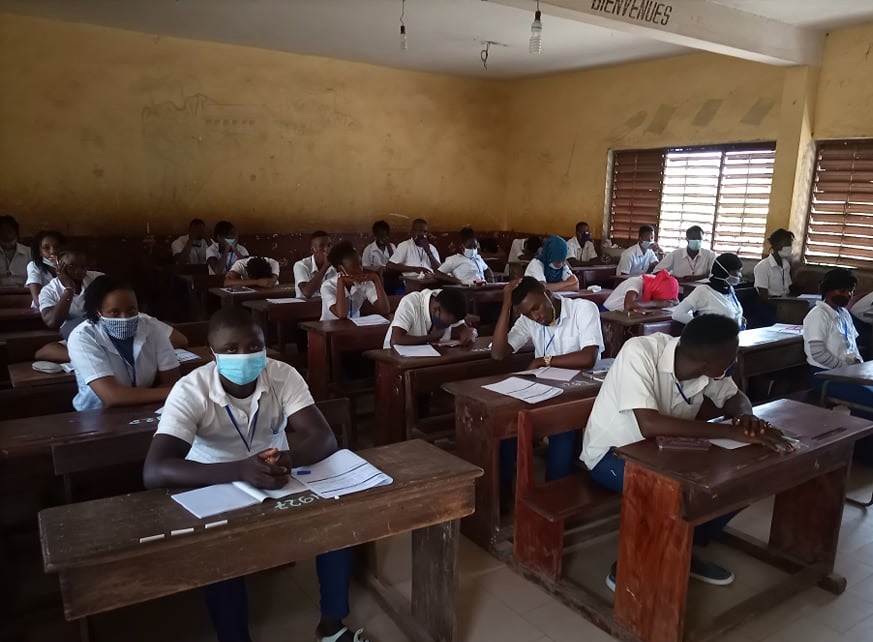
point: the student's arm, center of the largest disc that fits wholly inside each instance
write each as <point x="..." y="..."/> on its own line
<point x="583" y="359"/>
<point x="489" y="276"/>
<point x="113" y="394"/>
<point x="623" y="267"/>
<point x="234" y="279"/>
<point x="178" y="340"/>
<point x="432" y="256"/>
<point x="166" y="378"/>
<point x="54" y="352"/>
<point x="310" y="438"/>
<point x="684" y="312"/>
<point x="396" y="263"/>
<point x="446" y="278"/>
<point x="500" y="345"/>
<point x="570" y="284"/>
<point x="311" y="287"/>
<point x="749" y="430"/>
<point x="55" y="315"/>
<point x="761" y="273"/>
<point x="34" y="293"/>
<point x="382" y="305"/>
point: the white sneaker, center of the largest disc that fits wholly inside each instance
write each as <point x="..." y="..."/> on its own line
<point x="359" y="636"/>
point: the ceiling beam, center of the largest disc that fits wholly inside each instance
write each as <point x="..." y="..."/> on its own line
<point x="697" y="24"/>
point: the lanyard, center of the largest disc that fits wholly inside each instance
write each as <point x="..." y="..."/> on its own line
<point x="231" y="259"/>
<point x="551" y="338"/>
<point x="844" y="328"/>
<point x="252" y="427"/>
<point x="681" y="392"/>
<point x="422" y="256"/>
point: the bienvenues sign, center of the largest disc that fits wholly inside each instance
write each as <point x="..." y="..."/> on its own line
<point x="651" y="11"/>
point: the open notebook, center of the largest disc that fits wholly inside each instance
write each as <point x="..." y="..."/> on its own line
<point x="220" y="498"/>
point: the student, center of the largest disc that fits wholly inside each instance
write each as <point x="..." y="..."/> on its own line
<point x="565" y="333"/>
<point x="255" y="271"/>
<point x="580" y="249"/>
<point x="120" y="357"/>
<point x="690" y="263"/>
<point x="352" y="291"/>
<point x="62" y="300"/>
<point x="639" y="258"/>
<point x="415" y="256"/>
<point x="220" y="424"/>
<point x="190" y="248"/>
<point x="380" y="251"/>
<point x="773" y="274"/>
<point x="655" y="388"/>
<point x="430" y="316"/>
<point x="226" y="250"/>
<point x="523" y="250"/>
<point x="309" y="273"/>
<point x="550" y="267"/>
<point x="717" y="296"/>
<point x="13" y="255"/>
<point x="43" y="266"/>
<point x="644" y="292"/>
<point x="466" y="266"/>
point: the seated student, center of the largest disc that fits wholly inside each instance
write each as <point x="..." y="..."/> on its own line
<point x="121" y="358"/>
<point x="640" y="257"/>
<point x="309" y="273"/>
<point x="61" y="300"/>
<point x="43" y="266"/>
<point x="190" y="248"/>
<point x="565" y="333"/>
<point x="255" y="271"/>
<point x="691" y="263"/>
<point x="773" y="274"/>
<point x="222" y="423"/>
<point x="717" y="296"/>
<point x="523" y="250"/>
<point x="580" y="249"/>
<point x="430" y="316"/>
<point x="361" y="291"/>
<point x="644" y="292"/>
<point x="380" y="251"/>
<point x="655" y="388"/>
<point x="226" y="250"/>
<point x="550" y="267"/>
<point x="415" y="256"/>
<point x="14" y="256"/>
<point x="466" y="266"/>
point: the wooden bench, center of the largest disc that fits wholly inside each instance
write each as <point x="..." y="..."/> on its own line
<point x="543" y="509"/>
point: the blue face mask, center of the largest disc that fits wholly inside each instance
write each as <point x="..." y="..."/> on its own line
<point x="120" y="328"/>
<point x="230" y="240"/>
<point x="694" y="244"/>
<point x="438" y="323"/>
<point x="646" y="244"/>
<point x="470" y="252"/>
<point x="586" y="236"/>
<point x="241" y="368"/>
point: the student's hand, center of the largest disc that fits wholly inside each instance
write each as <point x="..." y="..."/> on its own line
<point x="508" y="290"/>
<point x="465" y="334"/>
<point x="260" y="473"/>
<point x="66" y="280"/>
<point x="266" y="283"/>
<point x="758" y="431"/>
<point x="435" y="335"/>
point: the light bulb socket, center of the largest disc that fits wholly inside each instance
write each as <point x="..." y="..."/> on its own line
<point x="402" y="30"/>
<point x="537" y="15"/>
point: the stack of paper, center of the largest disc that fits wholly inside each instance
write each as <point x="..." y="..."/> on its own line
<point x="370" y="319"/>
<point x="417" y="351"/>
<point x="291" y="300"/>
<point x="185" y="355"/>
<point x="786" y="328"/>
<point x="528" y="391"/>
<point x="342" y="473"/>
<point x="555" y="374"/>
<point x="220" y="498"/>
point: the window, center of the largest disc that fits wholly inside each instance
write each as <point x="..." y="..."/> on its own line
<point x="840" y="224"/>
<point x="725" y="190"/>
<point x="635" y="198"/>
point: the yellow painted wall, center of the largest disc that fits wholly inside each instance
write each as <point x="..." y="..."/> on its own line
<point x="104" y="129"/>
<point x="844" y="108"/>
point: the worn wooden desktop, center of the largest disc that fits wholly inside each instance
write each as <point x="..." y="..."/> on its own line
<point x="667" y="493"/>
<point x="22" y="345"/>
<point x="595" y="274"/>
<point x="619" y="326"/>
<point x="20" y="319"/>
<point x="94" y="547"/>
<point x="414" y="284"/>
<point x="479" y="295"/>
<point x="482" y="419"/>
<point x="235" y="299"/>
<point x="281" y="314"/>
<point x="764" y="350"/>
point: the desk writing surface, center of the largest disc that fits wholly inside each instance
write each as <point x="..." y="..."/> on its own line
<point x="479" y="350"/>
<point x="18" y="314"/>
<point x="766" y="336"/>
<point x="297" y="311"/>
<point x="580" y="387"/>
<point x="635" y="318"/>
<point x="861" y="373"/>
<point x="337" y="326"/>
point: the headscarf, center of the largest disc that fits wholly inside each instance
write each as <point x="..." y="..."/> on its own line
<point x="554" y="251"/>
<point x="721" y="270"/>
<point x="659" y="287"/>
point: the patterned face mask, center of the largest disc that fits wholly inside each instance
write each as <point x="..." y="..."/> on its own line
<point x="120" y="328"/>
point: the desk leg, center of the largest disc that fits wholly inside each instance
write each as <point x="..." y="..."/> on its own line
<point x="435" y="578"/>
<point x="390" y="405"/>
<point x="319" y="365"/>
<point x="473" y="430"/>
<point x="654" y="557"/>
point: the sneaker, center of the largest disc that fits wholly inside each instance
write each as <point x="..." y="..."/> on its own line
<point x="610" y="579"/>
<point x="709" y="572"/>
<point x="358" y="636"/>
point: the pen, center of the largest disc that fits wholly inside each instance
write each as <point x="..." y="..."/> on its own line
<point x="302" y="471"/>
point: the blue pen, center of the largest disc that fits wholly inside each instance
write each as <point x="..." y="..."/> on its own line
<point x="302" y="471"/>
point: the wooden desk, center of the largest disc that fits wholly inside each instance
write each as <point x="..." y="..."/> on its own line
<point x="667" y="493"/>
<point x="764" y="350"/>
<point x="861" y="373"/>
<point x="414" y="284"/>
<point x="235" y="299"/>
<point x="517" y="269"/>
<point x="479" y="295"/>
<point x="94" y="546"/>
<point x="15" y="300"/>
<point x="482" y="419"/>
<point x="13" y="290"/>
<point x="619" y="326"/>
<point x="265" y="313"/>
<point x="600" y="274"/>
<point x="23" y="344"/>
<point x="19" y="319"/>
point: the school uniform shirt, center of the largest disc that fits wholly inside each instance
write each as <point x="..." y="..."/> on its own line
<point x="51" y="294"/>
<point x="408" y="253"/>
<point x="94" y="356"/>
<point x="577" y="328"/>
<point x="861" y="306"/>
<point x="705" y="300"/>
<point x="240" y="267"/>
<point x="197" y="255"/>
<point x="576" y="251"/>
<point x="37" y="276"/>
<point x="304" y="270"/>
<point x="833" y="328"/>
<point x="374" y="256"/>
<point x="14" y="271"/>
<point x="413" y="315"/>
<point x="771" y="276"/>
<point x="680" y="264"/>
<point x="222" y="428"/>
<point x="467" y="271"/>
<point x="615" y="301"/>
<point x="635" y="260"/>
<point x="536" y="269"/>
<point x="237" y="252"/>
<point x="642" y="377"/>
<point x="355" y="297"/>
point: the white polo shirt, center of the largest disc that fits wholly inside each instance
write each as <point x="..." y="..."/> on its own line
<point x="576" y="251"/>
<point x="304" y="270"/>
<point x="642" y="377"/>
<point x="771" y="276"/>
<point x="467" y="271"/>
<point x="196" y="411"/>
<point x="413" y="315"/>
<point x="615" y="301"/>
<point x="577" y="328"/>
<point x="705" y="300"/>
<point x="835" y="329"/>
<point x="37" y="276"/>
<point x="635" y="260"/>
<point x="408" y="253"/>
<point x="240" y="266"/>
<point x="51" y="294"/>
<point x="374" y="256"/>
<point x="236" y="253"/>
<point x="94" y="356"/>
<point x="536" y="269"/>
<point x="197" y="255"/>
<point x="356" y="296"/>
<point x="14" y="271"/>
<point x="680" y="265"/>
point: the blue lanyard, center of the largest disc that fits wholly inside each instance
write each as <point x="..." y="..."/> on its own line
<point x="231" y="259"/>
<point x="737" y="303"/>
<point x="844" y="328"/>
<point x="551" y="339"/>
<point x="682" y="392"/>
<point x="252" y="428"/>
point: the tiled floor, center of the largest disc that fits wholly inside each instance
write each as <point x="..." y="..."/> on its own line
<point x="497" y="605"/>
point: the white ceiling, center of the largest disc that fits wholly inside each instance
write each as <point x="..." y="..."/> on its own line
<point x="444" y="35"/>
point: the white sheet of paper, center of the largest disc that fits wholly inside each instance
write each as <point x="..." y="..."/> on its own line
<point x="343" y="473"/>
<point x="729" y="444"/>
<point x="291" y="300"/>
<point x="417" y="351"/>
<point x="787" y="329"/>
<point x="527" y="391"/>
<point x="370" y="319"/>
<point x="184" y="355"/>
<point x="211" y="500"/>
<point x="237" y="290"/>
<point x="553" y="373"/>
<point x="292" y="487"/>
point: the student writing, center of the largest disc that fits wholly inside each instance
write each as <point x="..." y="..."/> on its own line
<point x="430" y="316"/>
<point x="43" y="266"/>
<point x="62" y="300"/>
<point x="640" y="257"/>
<point x="717" y="296"/>
<point x="550" y="267"/>
<point x="255" y="271"/>
<point x="226" y="250"/>
<point x="692" y="262"/>
<point x="352" y="291"/>
<point x="310" y="272"/>
<point x="415" y="256"/>
<point x="466" y="266"/>
<point x="14" y="256"/>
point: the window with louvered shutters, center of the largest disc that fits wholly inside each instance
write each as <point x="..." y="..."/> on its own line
<point x="635" y="197"/>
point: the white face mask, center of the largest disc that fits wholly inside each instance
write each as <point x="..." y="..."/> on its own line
<point x="785" y="252"/>
<point x="470" y="252"/>
<point x="52" y="263"/>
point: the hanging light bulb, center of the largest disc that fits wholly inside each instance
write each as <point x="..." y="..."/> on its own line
<point x="403" y="44"/>
<point x="536" y="33"/>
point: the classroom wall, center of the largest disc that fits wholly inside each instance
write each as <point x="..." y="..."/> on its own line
<point x="845" y="89"/>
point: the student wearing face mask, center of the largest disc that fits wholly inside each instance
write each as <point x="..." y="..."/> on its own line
<point x="640" y="257"/>
<point x="717" y="296"/>
<point x="43" y="266"/>
<point x="13" y="255"/>
<point x="121" y="358"/>
<point x="773" y="274"/>
<point x="430" y="316"/>
<point x="62" y="300"/>
<point x="226" y="251"/>
<point x="690" y="263"/>
<point x="190" y="248"/>
<point x="550" y="267"/>
<point x="580" y="249"/>
<point x="466" y="267"/>
<point x="416" y="256"/>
